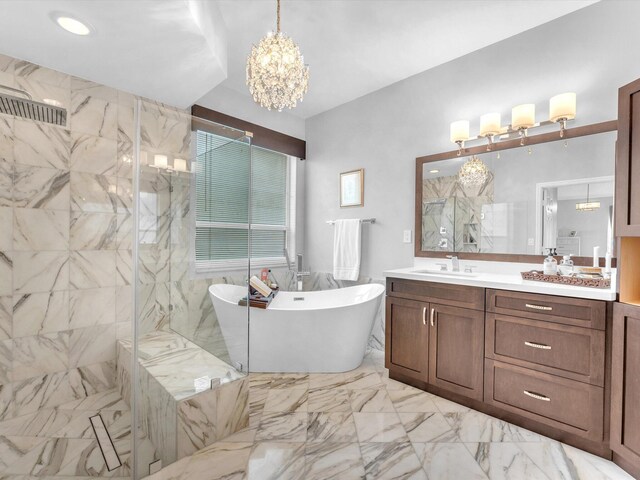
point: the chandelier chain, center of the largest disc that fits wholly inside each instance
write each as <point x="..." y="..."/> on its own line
<point x="278" y="16"/>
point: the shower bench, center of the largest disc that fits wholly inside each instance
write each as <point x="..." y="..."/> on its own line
<point x="188" y="398"/>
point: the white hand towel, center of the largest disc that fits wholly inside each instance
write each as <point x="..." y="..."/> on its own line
<point x="346" y="249"/>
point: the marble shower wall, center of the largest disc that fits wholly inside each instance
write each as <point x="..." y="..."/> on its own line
<point x="65" y="241"/>
<point x="457" y="218"/>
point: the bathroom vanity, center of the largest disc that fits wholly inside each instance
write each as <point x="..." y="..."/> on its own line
<point x="538" y="360"/>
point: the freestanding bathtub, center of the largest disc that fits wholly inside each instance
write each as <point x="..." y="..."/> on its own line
<point x="322" y="331"/>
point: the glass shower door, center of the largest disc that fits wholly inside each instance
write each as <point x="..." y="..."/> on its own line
<point x="191" y="226"/>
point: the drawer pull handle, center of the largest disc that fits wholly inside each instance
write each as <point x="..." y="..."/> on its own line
<point x="424" y="315"/>
<point x="433" y="313"/>
<point x="541" y="346"/>
<point x="537" y="396"/>
<point x="538" y="307"/>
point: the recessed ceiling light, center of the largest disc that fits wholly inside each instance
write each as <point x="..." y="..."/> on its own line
<point x="434" y="171"/>
<point x="71" y="24"/>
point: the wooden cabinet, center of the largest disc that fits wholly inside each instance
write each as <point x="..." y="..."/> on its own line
<point x="432" y="337"/>
<point x="407" y="338"/>
<point x="627" y="197"/>
<point x="456" y="350"/>
<point x="625" y="387"/>
<point x="539" y="361"/>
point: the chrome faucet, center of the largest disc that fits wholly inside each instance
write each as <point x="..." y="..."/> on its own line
<point x="300" y="273"/>
<point x="455" y="263"/>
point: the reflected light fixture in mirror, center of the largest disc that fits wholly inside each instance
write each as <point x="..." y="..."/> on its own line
<point x="562" y="108"/>
<point x="587" y="206"/>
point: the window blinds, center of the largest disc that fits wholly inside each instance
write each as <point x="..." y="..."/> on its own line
<point x="222" y="203"/>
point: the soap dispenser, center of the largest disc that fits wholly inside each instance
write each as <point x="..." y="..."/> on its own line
<point x="550" y="265"/>
<point x="566" y="266"/>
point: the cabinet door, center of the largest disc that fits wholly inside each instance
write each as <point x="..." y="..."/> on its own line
<point x="407" y="338"/>
<point x="627" y="195"/>
<point x="625" y="384"/>
<point x="456" y="344"/>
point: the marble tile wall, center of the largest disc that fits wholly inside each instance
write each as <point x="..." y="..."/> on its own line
<point x="454" y="216"/>
<point x="65" y="204"/>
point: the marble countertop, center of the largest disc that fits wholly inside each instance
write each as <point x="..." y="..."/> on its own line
<point x="502" y="279"/>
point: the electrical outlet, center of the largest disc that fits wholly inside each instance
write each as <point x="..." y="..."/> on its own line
<point x="530" y="242"/>
<point x="406" y="237"/>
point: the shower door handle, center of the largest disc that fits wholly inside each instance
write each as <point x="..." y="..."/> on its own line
<point x="432" y="317"/>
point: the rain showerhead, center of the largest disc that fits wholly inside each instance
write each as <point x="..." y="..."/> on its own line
<point x="30" y="109"/>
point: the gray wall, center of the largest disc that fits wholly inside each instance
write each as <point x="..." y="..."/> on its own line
<point x="592" y="52"/>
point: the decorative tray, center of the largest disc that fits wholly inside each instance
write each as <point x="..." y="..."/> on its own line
<point x="576" y="281"/>
<point x="257" y="300"/>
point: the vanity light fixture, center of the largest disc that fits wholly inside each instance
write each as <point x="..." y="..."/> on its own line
<point x="276" y="74"/>
<point x="587" y="206"/>
<point x="435" y="170"/>
<point x="562" y="108"/>
<point x="71" y="24"/>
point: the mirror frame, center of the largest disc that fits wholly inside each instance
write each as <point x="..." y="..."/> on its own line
<point x="592" y="129"/>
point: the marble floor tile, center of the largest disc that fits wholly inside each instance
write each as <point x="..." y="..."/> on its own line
<point x="330" y="400"/>
<point x="277" y="461"/>
<point x="412" y="401"/>
<point x="221" y="461"/>
<point x="413" y="440"/>
<point x="363" y="380"/>
<point x="289" y="380"/>
<point x="587" y="466"/>
<point x="504" y="460"/>
<point x="379" y="427"/>
<point x="290" y="427"/>
<point x="472" y="426"/>
<point x="427" y="427"/>
<point x="447" y="461"/>
<point x="331" y="428"/>
<point x="286" y="400"/>
<point x="325" y="381"/>
<point x="372" y="401"/>
<point x="390" y="461"/>
<point x="333" y="461"/>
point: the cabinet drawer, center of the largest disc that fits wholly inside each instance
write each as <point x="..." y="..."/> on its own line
<point x="568" y="405"/>
<point x="566" y="310"/>
<point x="443" y="293"/>
<point x="571" y="352"/>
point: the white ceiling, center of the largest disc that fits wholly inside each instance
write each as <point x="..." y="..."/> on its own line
<point x="177" y="51"/>
<point x="354" y="47"/>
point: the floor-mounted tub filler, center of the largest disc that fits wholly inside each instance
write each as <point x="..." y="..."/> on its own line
<point x="322" y="331"/>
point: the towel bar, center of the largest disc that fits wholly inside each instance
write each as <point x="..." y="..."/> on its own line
<point x="364" y="220"/>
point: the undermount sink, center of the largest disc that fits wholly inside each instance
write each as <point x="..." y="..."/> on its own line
<point x="445" y="273"/>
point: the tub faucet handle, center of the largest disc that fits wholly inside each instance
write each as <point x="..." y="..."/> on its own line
<point x="469" y="268"/>
<point x="443" y="267"/>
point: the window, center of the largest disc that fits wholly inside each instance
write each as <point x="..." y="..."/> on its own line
<point x="222" y="204"/>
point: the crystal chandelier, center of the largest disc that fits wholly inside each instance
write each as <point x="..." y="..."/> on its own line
<point x="473" y="172"/>
<point x="276" y="74"/>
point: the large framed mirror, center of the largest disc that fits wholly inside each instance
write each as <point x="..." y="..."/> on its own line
<point x="551" y="194"/>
